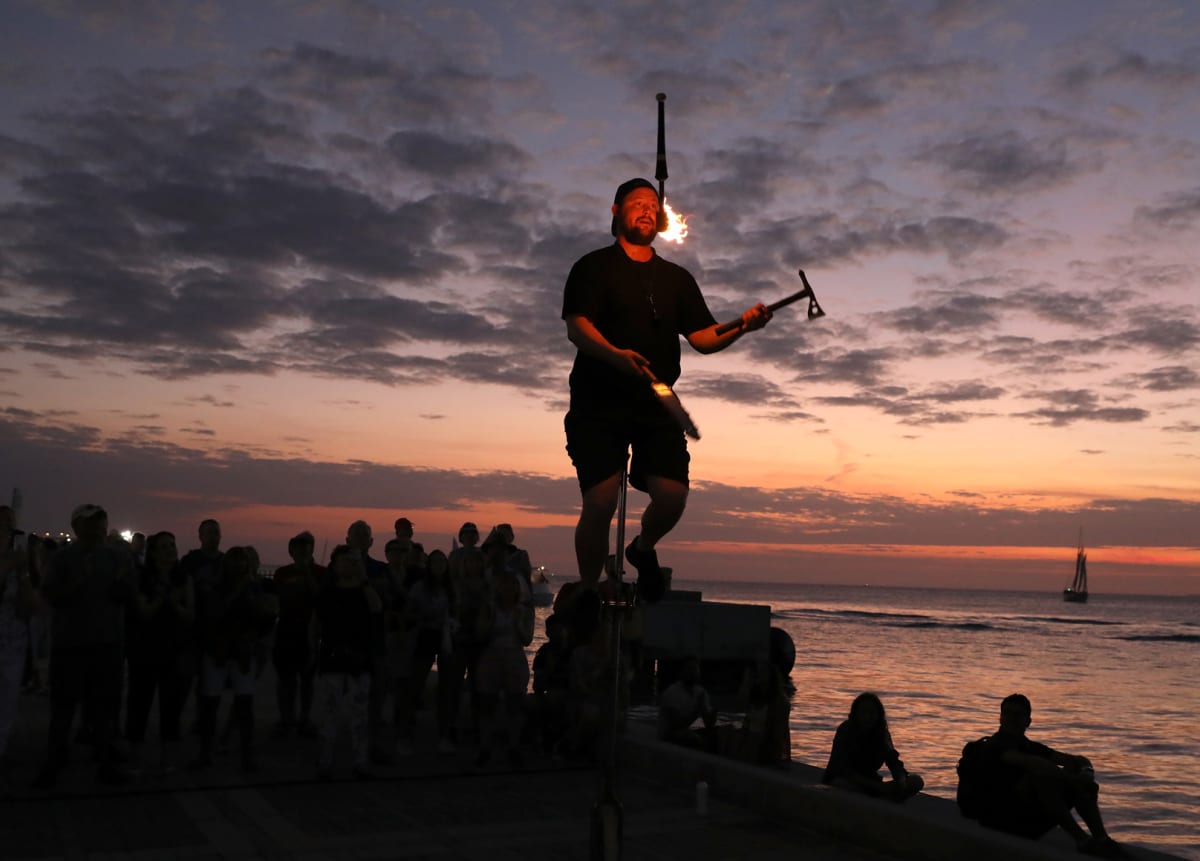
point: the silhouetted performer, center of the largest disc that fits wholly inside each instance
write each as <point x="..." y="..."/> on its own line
<point x="625" y="309"/>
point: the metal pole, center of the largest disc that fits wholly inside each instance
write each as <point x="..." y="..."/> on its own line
<point x="608" y="817"/>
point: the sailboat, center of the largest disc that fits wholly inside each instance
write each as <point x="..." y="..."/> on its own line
<point x="1077" y="592"/>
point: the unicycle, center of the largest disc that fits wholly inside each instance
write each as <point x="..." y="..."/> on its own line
<point x="608" y="817"/>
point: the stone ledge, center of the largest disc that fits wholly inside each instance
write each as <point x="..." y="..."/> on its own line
<point x="926" y="828"/>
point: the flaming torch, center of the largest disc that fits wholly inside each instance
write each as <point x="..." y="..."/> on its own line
<point x="672" y="226"/>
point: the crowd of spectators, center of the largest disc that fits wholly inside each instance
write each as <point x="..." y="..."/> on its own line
<point x="114" y="630"/>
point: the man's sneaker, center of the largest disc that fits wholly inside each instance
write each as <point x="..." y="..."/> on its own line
<point x="650" y="584"/>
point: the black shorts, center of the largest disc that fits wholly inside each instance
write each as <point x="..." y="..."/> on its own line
<point x="598" y="446"/>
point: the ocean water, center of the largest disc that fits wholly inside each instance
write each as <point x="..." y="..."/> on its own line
<point x="1116" y="679"/>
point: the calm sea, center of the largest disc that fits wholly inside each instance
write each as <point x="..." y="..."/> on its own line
<point x="1116" y="679"/>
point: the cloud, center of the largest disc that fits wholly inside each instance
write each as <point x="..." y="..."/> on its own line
<point x="745" y="389"/>
<point x="1068" y="406"/>
<point x="1165" y="77"/>
<point x="1172" y="378"/>
<point x="183" y="204"/>
<point x="1002" y="162"/>
<point x="440" y="156"/>
<point x="1161" y="330"/>
<point x="1178" y="212"/>
<point x="945" y="314"/>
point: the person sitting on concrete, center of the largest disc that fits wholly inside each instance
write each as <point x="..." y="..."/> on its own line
<point x="861" y="746"/>
<point x="684" y="702"/>
<point x="552" y="684"/>
<point x="1028" y="788"/>
<point x="765" y="737"/>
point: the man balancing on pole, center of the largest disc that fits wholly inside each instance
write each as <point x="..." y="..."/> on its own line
<point x="625" y="308"/>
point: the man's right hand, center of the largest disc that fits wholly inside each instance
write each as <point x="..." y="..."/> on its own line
<point x="630" y="362"/>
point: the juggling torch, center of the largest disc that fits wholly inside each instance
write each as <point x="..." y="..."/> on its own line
<point x="660" y="168"/>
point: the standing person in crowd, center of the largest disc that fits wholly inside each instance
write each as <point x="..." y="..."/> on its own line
<point x="341" y="632"/>
<point x="429" y="611"/>
<point x="1029" y="788"/>
<point x="625" y="309"/>
<point x="137" y="545"/>
<point x="379" y="575"/>
<point x="506" y="626"/>
<point x="861" y="746"/>
<point x="514" y="558"/>
<point x="202" y="565"/>
<point x="231" y="616"/>
<point x="295" y="586"/>
<point x="16" y="608"/>
<point x="38" y="553"/>
<point x="88" y="584"/>
<point x="159" y="633"/>
<point x="414" y="553"/>
<point x="472" y="589"/>
<point x="400" y="638"/>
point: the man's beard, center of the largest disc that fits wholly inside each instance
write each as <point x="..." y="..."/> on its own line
<point x="636" y="235"/>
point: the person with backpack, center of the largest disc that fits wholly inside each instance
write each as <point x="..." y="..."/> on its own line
<point x="1014" y="784"/>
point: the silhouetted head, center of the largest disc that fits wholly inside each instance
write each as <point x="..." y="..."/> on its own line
<point x="161" y="552"/>
<point x="300" y="547"/>
<point x="436" y="564"/>
<point x="635" y="211"/>
<point x="358" y="536"/>
<point x="90" y="524"/>
<point x="209" y="533"/>
<point x="867" y="713"/>
<point x="1016" y="713"/>
<point x="237" y="563"/>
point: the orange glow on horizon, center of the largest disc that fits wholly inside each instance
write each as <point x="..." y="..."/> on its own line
<point x="1173" y="557"/>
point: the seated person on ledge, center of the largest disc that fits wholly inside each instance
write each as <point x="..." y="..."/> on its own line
<point x="765" y="737"/>
<point x="1029" y="788"/>
<point x="861" y="746"/>
<point x="683" y="703"/>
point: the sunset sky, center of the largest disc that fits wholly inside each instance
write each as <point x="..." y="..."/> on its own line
<point x="293" y="263"/>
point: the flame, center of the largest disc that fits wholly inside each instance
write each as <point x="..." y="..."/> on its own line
<point x="677" y="229"/>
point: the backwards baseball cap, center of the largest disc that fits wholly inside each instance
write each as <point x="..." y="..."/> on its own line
<point x="86" y="512"/>
<point x="623" y="191"/>
<point x="468" y="527"/>
<point x="403" y="521"/>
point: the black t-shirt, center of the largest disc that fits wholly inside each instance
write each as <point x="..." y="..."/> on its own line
<point x="1003" y="776"/>
<point x="346" y="636"/>
<point x="639" y="306"/>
